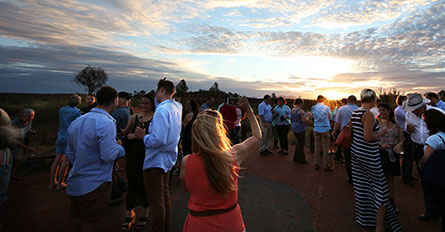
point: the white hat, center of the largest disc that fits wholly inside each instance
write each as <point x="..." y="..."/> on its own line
<point x="414" y="102"/>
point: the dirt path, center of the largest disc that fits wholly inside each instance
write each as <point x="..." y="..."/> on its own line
<point x="275" y="194"/>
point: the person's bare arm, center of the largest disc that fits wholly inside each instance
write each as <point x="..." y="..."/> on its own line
<point x="129" y="124"/>
<point x="335" y="130"/>
<point x="188" y="117"/>
<point x="249" y="146"/>
<point x="368" y="125"/>
<point x="182" y="173"/>
<point x="426" y="155"/>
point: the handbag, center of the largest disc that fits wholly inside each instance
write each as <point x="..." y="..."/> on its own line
<point x="344" y="139"/>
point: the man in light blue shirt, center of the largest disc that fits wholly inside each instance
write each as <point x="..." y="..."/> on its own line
<point x="92" y="150"/>
<point x="161" y="150"/>
<point x="435" y="100"/>
<point x="341" y="120"/>
<point x="266" y="116"/>
<point x="122" y="114"/>
<point x="321" y="114"/>
<point x="208" y="104"/>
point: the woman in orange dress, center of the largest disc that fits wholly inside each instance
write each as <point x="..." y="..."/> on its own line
<point x="210" y="173"/>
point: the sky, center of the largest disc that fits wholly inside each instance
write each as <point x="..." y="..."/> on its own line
<point x="253" y="47"/>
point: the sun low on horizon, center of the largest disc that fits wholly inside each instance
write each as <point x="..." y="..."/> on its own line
<point x="290" y="48"/>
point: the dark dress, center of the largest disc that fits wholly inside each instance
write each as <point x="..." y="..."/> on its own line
<point x="299" y="129"/>
<point x="135" y="150"/>
<point x="370" y="187"/>
<point x="187" y="137"/>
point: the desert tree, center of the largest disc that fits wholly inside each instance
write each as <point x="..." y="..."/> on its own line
<point x="91" y="78"/>
<point x="214" y="87"/>
<point x="181" y="88"/>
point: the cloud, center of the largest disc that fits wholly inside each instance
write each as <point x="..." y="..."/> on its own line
<point x="61" y="37"/>
<point x="354" y="13"/>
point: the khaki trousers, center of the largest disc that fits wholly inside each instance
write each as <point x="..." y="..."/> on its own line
<point x="266" y="130"/>
<point x="321" y="141"/>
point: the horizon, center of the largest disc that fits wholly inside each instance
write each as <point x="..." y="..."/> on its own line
<point x="252" y="48"/>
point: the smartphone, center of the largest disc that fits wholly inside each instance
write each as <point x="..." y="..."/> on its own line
<point x="233" y="101"/>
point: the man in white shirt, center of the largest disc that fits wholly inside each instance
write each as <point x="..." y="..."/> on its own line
<point x="407" y="162"/>
<point x="414" y="106"/>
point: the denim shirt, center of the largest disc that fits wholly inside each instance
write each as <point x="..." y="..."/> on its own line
<point x="92" y="149"/>
<point x="321" y="114"/>
<point x="67" y="114"/>
<point x="161" y="144"/>
<point x="122" y="115"/>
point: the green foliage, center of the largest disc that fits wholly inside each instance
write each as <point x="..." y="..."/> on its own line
<point x="389" y="96"/>
<point x="91" y="78"/>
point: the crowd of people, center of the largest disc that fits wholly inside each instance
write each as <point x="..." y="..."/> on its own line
<point x="164" y="137"/>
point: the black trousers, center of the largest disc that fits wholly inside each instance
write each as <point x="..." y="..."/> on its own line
<point x="347" y="153"/>
<point x="282" y="134"/>
<point x="430" y="205"/>
<point x="407" y="162"/>
<point x="299" y="155"/>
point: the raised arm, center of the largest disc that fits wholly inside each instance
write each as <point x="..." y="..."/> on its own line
<point x="249" y="146"/>
<point x="129" y="125"/>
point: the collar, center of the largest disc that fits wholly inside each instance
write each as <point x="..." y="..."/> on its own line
<point x="101" y="111"/>
<point x="170" y="100"/>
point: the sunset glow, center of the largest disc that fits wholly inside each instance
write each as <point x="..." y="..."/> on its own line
<point x="292" y="48"/>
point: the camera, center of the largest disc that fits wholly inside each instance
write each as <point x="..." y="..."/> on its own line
<point x="233" y="101"/>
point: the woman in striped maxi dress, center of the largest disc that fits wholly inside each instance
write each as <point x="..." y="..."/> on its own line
<point x="372" y="205"/>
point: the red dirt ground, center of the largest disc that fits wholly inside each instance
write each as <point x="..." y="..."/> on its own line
<point x="32" y="207"/>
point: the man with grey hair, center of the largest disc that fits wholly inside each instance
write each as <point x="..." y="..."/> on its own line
<point x="24" y="124"/>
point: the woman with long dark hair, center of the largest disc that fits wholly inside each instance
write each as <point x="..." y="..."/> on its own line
<point x="211" y="173"/>
<point x="435" y="148"/>
<point x="390" y="146"/>
<point x="191" y="112"/>
<point x="135" y="150"/>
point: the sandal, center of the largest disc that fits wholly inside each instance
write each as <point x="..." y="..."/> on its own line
<point x="51" y="186"/>
<point x="61" y="186"/>
<point x="142" y="221"/>
<point x="129" y="221"/>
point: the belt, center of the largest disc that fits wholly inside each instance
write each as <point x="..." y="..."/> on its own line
<point x="212" y="212"/>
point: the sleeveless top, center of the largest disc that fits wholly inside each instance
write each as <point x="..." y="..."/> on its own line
<point x="203" y="197"/>
<point x="135" y="145"/>
<point x="187" y="136"/>
<point x="297" y="124"/>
